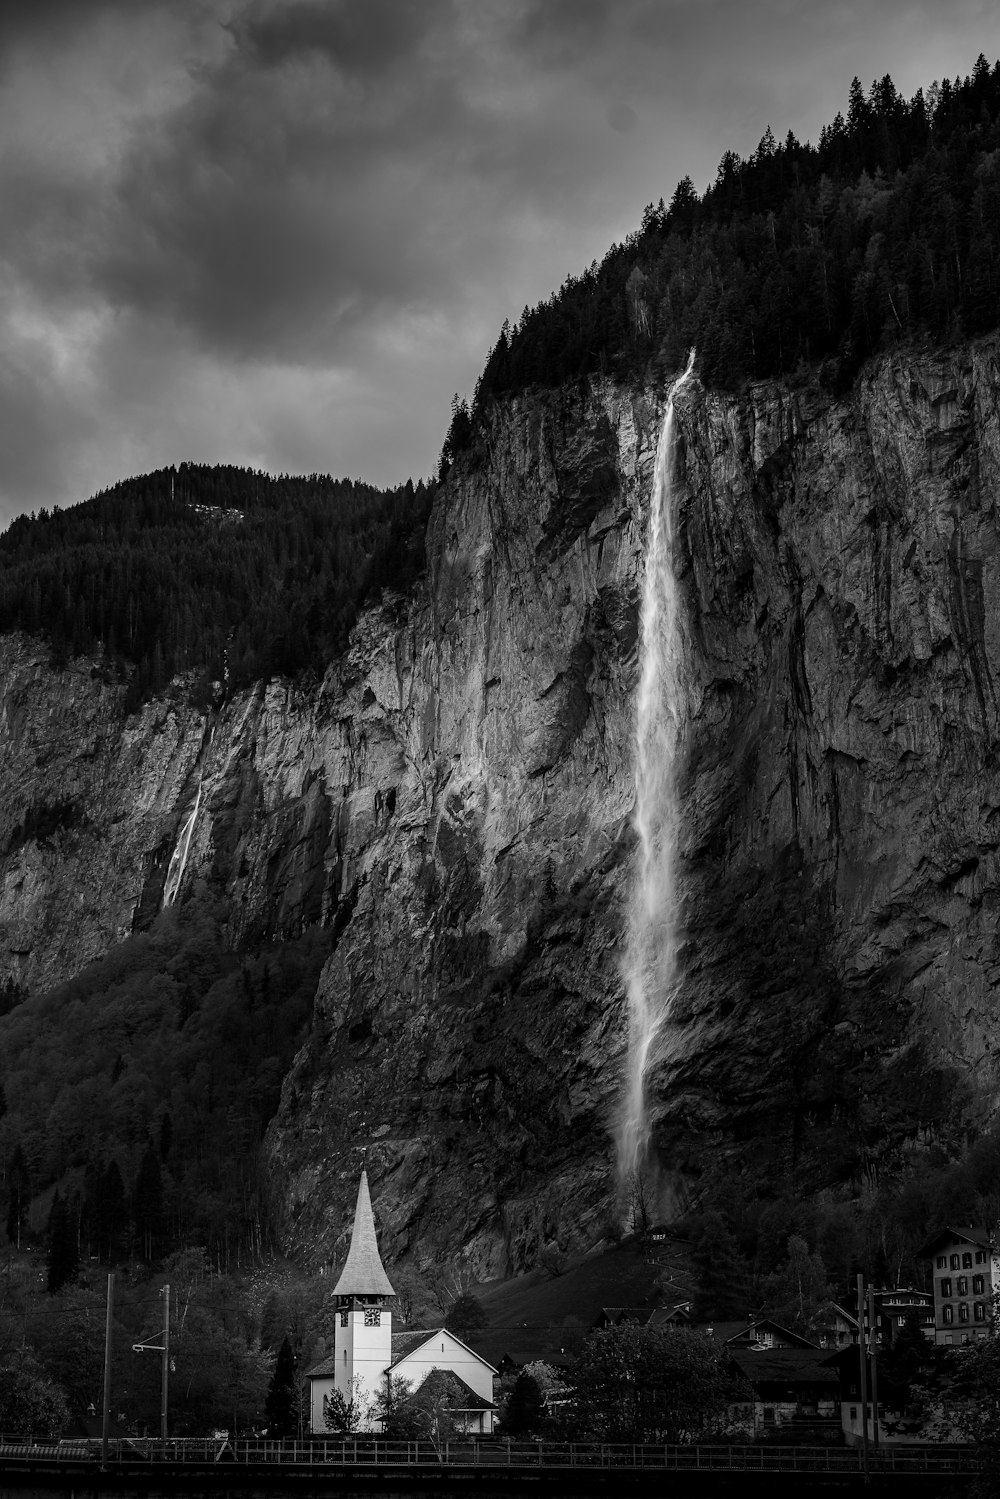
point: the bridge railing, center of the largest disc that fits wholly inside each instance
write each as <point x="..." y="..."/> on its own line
<point x="364" y="1451"/>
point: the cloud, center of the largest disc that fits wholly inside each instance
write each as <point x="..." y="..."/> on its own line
<point x="296" y="225"/>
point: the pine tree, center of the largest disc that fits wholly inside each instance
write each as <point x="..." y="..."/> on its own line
<point x="525" y="1408"/>
<point x="20" y="1196"/>
<point x="281" y="1406"/>
<point x="147" y="1202"/>
<point x="63" y="1258"/>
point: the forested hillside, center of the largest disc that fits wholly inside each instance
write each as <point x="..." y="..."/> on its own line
<point x="143" y="1088"/>
<point x="887" y="229"/>
<point x="220" y="572"/>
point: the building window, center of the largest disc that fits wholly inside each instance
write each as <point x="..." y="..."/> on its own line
<point x="966" y="1261"/>
<point x="373" y="1317"/>
<point x="345" y="1355"/>
<point x="946" y="1286"/>
<point x="942" y="1262"/>
<point x="980" y="1312"/>
<point x="769" y="1414"/>
<point x="978" y="1285"/>
<point x="947" y="1314"/>
<point x="955" y="1262"/>
<point x="949" y="1340"/>
<point x="980" y="1256"/>
<point x="343" y="1319"/>
<point x="963" y="1311"/>
<point x="963" y="1285"/>
<point x="854" y="1413"/>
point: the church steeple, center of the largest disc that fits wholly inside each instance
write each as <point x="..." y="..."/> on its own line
<point x="363" y="1274"/>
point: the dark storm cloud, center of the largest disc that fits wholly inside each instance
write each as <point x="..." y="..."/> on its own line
<point x="363" y="39"/>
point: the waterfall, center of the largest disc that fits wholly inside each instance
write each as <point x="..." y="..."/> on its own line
<point x="178" y="859"/>
<point x="651" y="953"/>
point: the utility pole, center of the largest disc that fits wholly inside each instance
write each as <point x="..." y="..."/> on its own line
<point x="106" y="1413"/>
<point x="166" y="1363"/>
<point x="163" y="1349"/>
<point x="863" y="1366"/>
<point x="872" y="1342"/>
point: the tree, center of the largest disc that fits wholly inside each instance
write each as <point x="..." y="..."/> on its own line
<point x="466" y="1316"/>
<point x="31" y="1404"/>
<point x="434" y="1404"/>
<point x="147" y="1202"/>
<point x="525" y="1407"/>
<point x="63" y="1258"/>
<point x="910" y="1364"/>
<point x="281" y="1405"/>
<point x="795" y="1294"/>
<point x="399" y="1420"/>
<point x="345" y="1414"/>
<point x="641" y="1384"/>
<point x="19" y="1188"/>
<point x="723" y="1275"/>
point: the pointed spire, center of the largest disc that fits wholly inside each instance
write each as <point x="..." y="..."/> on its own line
<point x="363" y="1274"/>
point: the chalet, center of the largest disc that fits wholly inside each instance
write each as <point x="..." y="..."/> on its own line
<point x="755" y="1333"/>
<point x="966" y="1273"/>
<point x="791" y="1390"/>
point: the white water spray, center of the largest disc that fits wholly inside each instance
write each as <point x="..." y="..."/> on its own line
<point x="651" y="955"/>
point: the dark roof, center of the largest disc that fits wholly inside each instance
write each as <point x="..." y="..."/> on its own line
<point x="794" y="1366"/>
<point x="324" y="1369"/>
<point x="734" y="1333"/>
<point x="978" y="1236"/>
<point x="668" y="1316"/>
<point x="465" y="1394"/>
<point x="750" y="1328"/>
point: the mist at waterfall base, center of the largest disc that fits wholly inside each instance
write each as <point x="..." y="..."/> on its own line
<point x="651" y="969"/>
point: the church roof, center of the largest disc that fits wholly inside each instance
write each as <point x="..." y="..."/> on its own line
<point x="363" y="1274"/>
<point x="405" y="1343"/>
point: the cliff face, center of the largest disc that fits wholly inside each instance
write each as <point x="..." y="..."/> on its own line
<point x="454" y="802"/>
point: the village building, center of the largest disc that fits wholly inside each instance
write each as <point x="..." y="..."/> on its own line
<point x="367" y="1353"/>
<point x="792" y="1391"/>
<point x="965" y="1264"/>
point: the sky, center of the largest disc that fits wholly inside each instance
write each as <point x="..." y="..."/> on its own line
<point x="283" y="233"/>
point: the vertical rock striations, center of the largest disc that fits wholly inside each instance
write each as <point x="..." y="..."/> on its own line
<point x="454" y="802"/>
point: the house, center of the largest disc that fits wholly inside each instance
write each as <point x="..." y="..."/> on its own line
<point x="366" y="1352"/>
<point x="792" y="1391"/>
<point x="892" y="1308"/>
<point x="753" y="1333"/>
<point x="838" y="1327"/>
<point x="966" y="1272"/>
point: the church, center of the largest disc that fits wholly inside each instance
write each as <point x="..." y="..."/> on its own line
<point x="367" y="1351"/>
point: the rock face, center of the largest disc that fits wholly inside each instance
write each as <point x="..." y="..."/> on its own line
<point x="454" y="802"/>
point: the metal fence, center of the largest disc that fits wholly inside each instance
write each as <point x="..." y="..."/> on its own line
<point x="365" y="1452"/>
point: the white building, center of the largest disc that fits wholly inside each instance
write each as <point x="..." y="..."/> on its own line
<point x="366" y="1354"/>
<point x="966" y="1269"/>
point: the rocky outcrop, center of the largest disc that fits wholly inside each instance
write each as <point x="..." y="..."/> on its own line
<point x="453" y="802"/>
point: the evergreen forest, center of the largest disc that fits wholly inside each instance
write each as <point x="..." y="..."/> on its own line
<point x="799" y="256"/>
<point x="223" y="574"/>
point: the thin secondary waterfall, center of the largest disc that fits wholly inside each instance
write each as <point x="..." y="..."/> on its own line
<point x="179" y="857"/>
<point x="651" y="954"/>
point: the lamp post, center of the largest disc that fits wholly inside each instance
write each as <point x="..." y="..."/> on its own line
<point x="163" y="1349"/>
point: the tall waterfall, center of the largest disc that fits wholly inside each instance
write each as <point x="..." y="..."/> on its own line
<point x="651" y="954"/>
